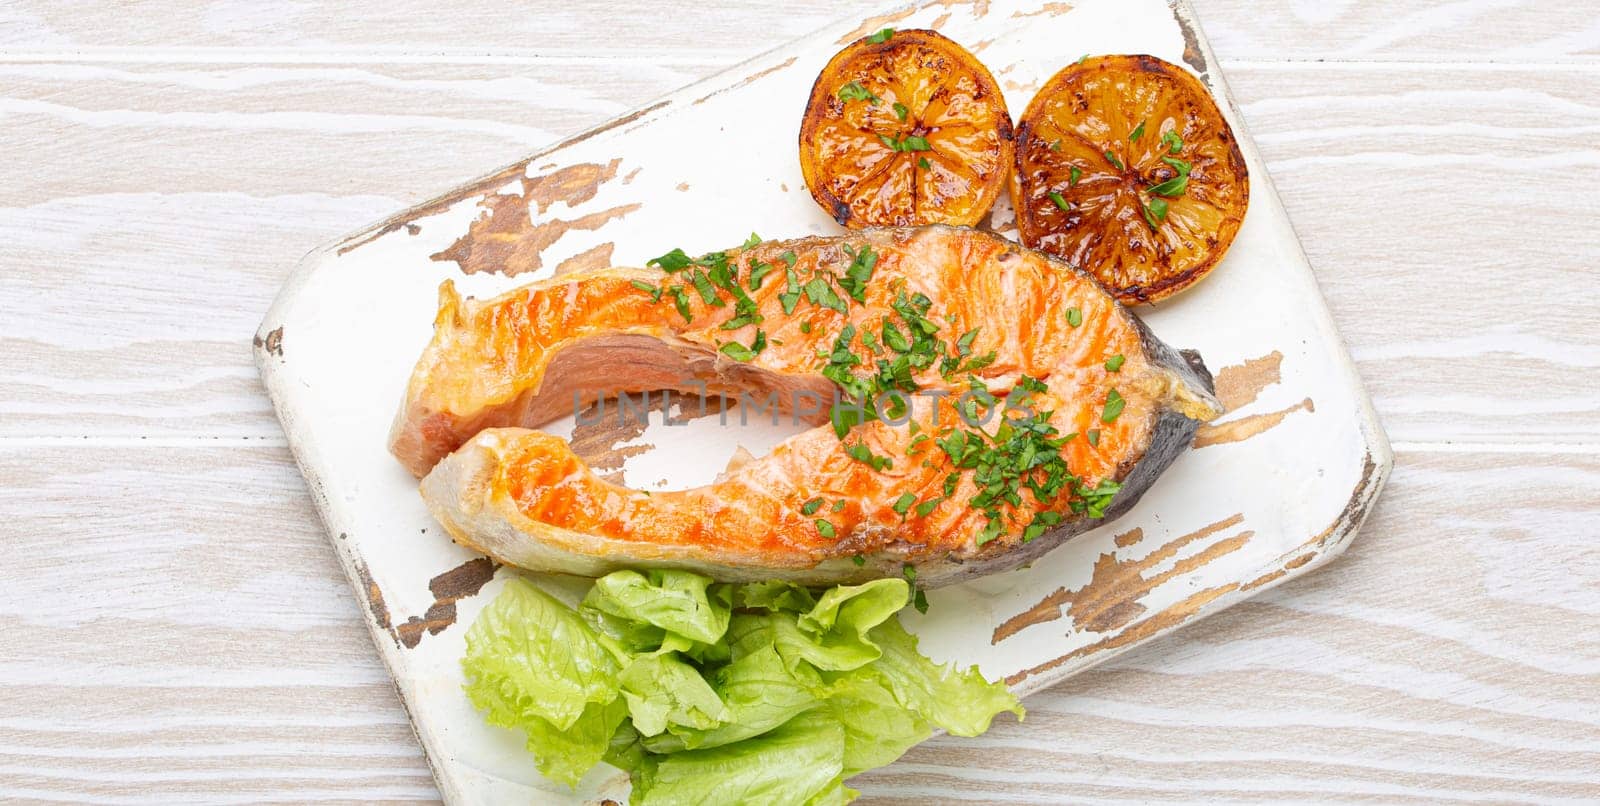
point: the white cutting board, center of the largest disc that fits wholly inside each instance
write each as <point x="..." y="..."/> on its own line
<point x="1275" y="488"/>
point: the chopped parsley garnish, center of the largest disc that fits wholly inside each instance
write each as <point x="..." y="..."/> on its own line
<point x="1061" y="203"/>
<point x="739" y="352"/>
<point x="791" y="293"/>
<point x="894" y="338"/>
<point x="1024" y="453"/>
<point x="753" y="240"/>
<point x="1154" y="213"/>
<point x="1094" y="501"/>
<point x="964" y="344"/>
<point x="759" y="272"/>
<point x="922" y="162"/>
<point x="1082" y="59"/>
<point x="855" y="92"/>
<point x="1176" y="185"/>
<point x="902" y="505"/>
<point x="824" y="528"/>
<point x="1172" y="141"/>
<point x="1114" y="406"/>
<point x="1138" y="131"/>
<point x="653" y="290"/>
<point x="909" y="571"/>
<point x="1074" y="316"/>
<point x="859" y="560"/>
<point x="680" y="300"/>
<point x="1072" y="176"/>
<point x="861" y="453"/>
<point x="671" y="262"/>
<point x="1114" y="363"/>
<point x="702" y="285"/>
<point x="838" y="505"/>
<point x="919" y="600"/>
<point x="805" y="327"/>
<point x="881" y="36"/>
<point x="819" y="292"/>
<point x="900" y="111"/>
<point x="927" y="507"/>
<point x="854" y="281"/>
<point x="911" y="142"/>
<point x="811" y="507"/>
<point x="1112" y="158"/>
<point x="788" y="257"/>
<point x="1055" y="145"/>
<point x="1093" y="436"/>
<point x="1041" y="522"/>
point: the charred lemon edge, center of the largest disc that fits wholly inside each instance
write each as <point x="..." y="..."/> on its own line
<point x="1168" y="285"/>
<point x="839" y="210"/>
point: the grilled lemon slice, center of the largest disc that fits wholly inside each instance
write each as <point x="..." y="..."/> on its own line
<point x="1126" y="168"/>
<point x="905" y="128"/>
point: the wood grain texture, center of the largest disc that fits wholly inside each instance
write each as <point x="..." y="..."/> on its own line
<point x="177" y="629"/>
<point x="1450" y="30"/>
<point x="196" y="642"/>
<point x="138" y="168"/>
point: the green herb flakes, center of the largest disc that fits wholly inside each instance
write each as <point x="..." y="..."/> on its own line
<point x="855" y="92"/>
<point x="1114" y="406"/>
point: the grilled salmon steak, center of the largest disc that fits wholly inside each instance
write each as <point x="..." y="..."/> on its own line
<point x="974" y="404"/>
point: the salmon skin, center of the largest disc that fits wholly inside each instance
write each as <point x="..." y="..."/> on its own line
<point x="1018" y="404"/>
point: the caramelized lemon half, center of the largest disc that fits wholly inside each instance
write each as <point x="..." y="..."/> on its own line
<point x="905" y="128"/>
<point x="1126" y="168"/>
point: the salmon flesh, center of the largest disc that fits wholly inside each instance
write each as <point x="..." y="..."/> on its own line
<point x="972" y="404"/>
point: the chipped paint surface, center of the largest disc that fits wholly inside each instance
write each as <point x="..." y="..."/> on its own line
<point x="1246" y="427"/>
<point x="1239" y="385"/>
<point x="512" y="231"/>
<point x="598" y="257"/>
<point x="1139" y="632"/>
<point x="1044" y="10"/>
<point x="447" y="588"/>
<point x="1110" y="600"/>
<point x="272" y="342"/>
<point x="675" y="173"/>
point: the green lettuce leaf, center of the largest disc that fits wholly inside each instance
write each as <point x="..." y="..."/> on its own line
<point x="877" y="728"/>
<point x="960" y="701"/>
<point x="709" y="693"/>
<point x="642" y="609"/>
<point x="774" y="595"/>
<point x="833" y="634"/>
<point x="760" y="692"/>
<point x="533" y="664"/>
<point x="566" y="754"/>
<point x="663" y="691"/>
<point x="799" y="763"/>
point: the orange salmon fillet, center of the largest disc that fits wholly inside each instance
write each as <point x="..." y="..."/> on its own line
<point x="974" y="312"/>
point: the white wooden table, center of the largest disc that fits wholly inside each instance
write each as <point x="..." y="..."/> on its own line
<point x="173" y="625"/>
